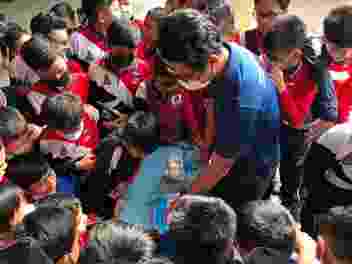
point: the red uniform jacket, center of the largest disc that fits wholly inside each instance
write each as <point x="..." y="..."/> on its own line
<point x="79" y="86"/>
<point x="176" y="114"/>
<point x="296" y="100"/>
<point x="61" y="147"/>
<point x="342" y="77"/>
<point x="132" y="76"/>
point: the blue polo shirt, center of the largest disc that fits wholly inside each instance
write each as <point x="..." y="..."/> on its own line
<point x="247" y="112"/>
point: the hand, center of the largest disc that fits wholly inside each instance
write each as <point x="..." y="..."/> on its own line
<point x="120" y="121"/>
<point x="305" y="246"/>
<point x="317" y="128"/>
<point x="277" y="76"/>
<point x="87" y="163"/>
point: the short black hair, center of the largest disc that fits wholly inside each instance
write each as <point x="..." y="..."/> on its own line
<point x="122" y="34"/>
<point x="155" y="13"/>
<point x="37" y="54"/>
<point x="288" y="32"/>
<point x="8" y="203"/>
<point x="194" y="35"/>
<point x="62" y="111"/>
<point x="10" y="120"/>
<point x="45" y="24"/>
<point x="266" y="224"/>
<point x="113" y="243"/>
<point x="337" y="26"/>
<point x="53" y="228"/>
<point x="202" y="227"/>
<point x="284" y="4"/>
<point x="63" y="10"/>
<point x="337" y="225"/>
<point x="142" y="130"/>
<point x="89" y="8"/>
<point x="28" y="170"/>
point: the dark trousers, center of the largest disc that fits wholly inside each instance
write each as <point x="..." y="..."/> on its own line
<point x="243" y="185"/>
<point x="321" y="194"/>
<point x="293" y="153"/>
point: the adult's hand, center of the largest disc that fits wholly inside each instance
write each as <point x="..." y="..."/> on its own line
<point x="317" y="128"/>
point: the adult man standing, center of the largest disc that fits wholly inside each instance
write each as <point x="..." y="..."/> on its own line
<point x="246" y="150"/>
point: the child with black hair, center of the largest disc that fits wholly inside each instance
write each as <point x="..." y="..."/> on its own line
<point x="55" y="29"/>
<point x="18" y="136"/>
<point x="54" y="75"/>
<point x="64" y="10"/>
<point x="299" y="91"/>
<point x="70" y="138"/>
<point x="337" y="51"/>
<point x="119" y="74"/>
<point x="146" y="47"/>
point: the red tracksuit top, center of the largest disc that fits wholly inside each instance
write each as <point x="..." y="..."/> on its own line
<point x="296" y="100"/>
<point x="342" y="77"/>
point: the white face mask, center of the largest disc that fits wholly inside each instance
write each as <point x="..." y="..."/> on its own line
<point x="193" y="85"/>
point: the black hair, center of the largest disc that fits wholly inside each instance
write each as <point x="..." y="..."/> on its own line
<point x="155" y="13"/>
<point x="10" y="120"/>
<point x="142" y="130"/>
<point x="8" y="203"/>
<point x="112" y="243"/>
<point x="266" y="224"/>
<point x="89" y="8"/>
<point x="122" y="34"/>
<point x="337" y="27"/>
<point x="194" y="35"/>
<point x="337" y="225"/>
<point x="202" y="227"/>
<point x="13" y="32"/>
<point x="53" y="227"/>
<point x="63" y="10"/>
<point x="284" y="4"/>
<point x="288" y="32"/>
<point x="45" y="24"/>
<point x="28" y="170"/>
<point x="37" y="53"/>
<point x="62" y="111"/>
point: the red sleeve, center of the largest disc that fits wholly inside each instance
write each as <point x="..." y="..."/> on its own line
<point x="294" y="109"/>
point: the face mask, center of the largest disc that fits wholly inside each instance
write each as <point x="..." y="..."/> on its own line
<point x="291" y="69"/>
<point x="68" y="54"/>
<point x="59" y="84"/>
<point x="121" y="61"/>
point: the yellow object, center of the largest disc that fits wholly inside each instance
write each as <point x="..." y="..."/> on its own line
<point x="243" y="10"/>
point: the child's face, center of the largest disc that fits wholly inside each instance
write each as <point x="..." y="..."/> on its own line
<point x="339" y="55"/>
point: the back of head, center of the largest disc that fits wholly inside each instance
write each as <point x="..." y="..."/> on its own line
<point x="122" y="34"/>
<point x="44" y="24"/>
<point x="28" y="170"/>
<point x="53" y="228"/>
<point x="155" y="13"/>
<point x="111" y="243"/>
<point x="265" y="224"/>
<point x="36" y="52"/>
<point x="337" y="27"/>
<point x="194" y="35"/>
<point x="288" y="32"/>
<point x="8" y="203"/>
<point x="63" y="10"/>
<point x="335" y="228"/>
<point x="63" y="111"/>
<point x="10" y="121"/>
<point x="203" y="227"/>
<point x="142" y="130"/>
